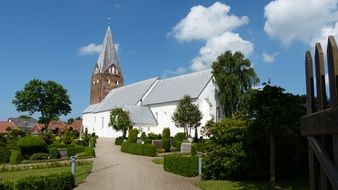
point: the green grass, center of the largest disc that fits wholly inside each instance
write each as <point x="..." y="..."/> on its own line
<point x="298" y="184"/>
<point x="157" y="161"/>
<point x="82" y="171"/>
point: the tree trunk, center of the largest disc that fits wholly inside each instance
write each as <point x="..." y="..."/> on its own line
<point x="272" y="160"/>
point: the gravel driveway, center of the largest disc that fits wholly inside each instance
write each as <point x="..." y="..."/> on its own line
<point x="116" y="170"/>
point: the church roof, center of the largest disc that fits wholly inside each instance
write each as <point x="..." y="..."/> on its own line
<point x="108" y="55"/>
<point x="140" y="114"/>
<point x="173" y="89"/>
<point x="124" y="95"/>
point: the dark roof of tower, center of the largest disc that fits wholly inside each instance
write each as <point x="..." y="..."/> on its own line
<point x="108" y="55"/>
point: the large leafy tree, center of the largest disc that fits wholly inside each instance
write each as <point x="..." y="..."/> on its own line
<point x="187" y="114"/>
<point x="120" y="121"/>
<point x="234" y="76"/>
<point x="275" y="117"/>
<point x="49" y="98"/>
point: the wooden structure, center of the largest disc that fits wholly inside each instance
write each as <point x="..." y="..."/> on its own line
<point x="320" y="125"/>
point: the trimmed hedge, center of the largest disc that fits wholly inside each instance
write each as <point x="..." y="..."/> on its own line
<point x="30" y="145"/>
<point x="177" y="145"/>
<point x="16" y="157"/>
<point x="139" y="149"/>
<point x="119" y="140"/>
<point x="132" y="135"/>
<point x="180" y="136"/>
<point x="40" y="156"/>
<point x="54" y="153"/>
<point x="166" y="145"/>
<point x="181" y="165"/>
<point x="90" y="151"/>
<point x="62" y="181"/>
<point x="5" y="156"/>
<point x="72" y="151"/>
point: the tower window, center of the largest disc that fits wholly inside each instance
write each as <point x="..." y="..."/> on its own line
<point x="97" y="81"/>
<point x="113" y="69"/>
<point x="116" y="82"/>
<point x="93" y="81"/>
<point x="108" y="81"/>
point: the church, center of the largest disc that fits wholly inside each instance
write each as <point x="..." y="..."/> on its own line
<point x="150" y="103"/>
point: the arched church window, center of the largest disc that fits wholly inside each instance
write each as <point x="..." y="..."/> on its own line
<point x="117" y="83"/>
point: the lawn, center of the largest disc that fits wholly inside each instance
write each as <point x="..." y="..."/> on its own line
<point x="157" y="161"/>
<point x="82" y="171"/>
<point x="298" y="184"/>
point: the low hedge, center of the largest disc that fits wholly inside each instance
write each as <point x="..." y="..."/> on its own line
<point x="72" y="151"/>
<point x="119" y="140"/>
<point x="138" y="149"/>
<point x="16" y="157"/>
<point x="40" y="156"/>
<point x="62" y="181"/>
<point x="181" y="165"/>
<point x="177" y="145"/>
<point x="90" y="151"/>
<point x="5" y="155"/>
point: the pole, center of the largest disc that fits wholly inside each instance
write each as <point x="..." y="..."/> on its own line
<point x="199" y="154"/>
<point x="73" y="166"/>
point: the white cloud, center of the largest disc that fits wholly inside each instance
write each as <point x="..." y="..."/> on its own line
<point x="206" y="22"/>
<point x="179" y="71"/>
<point x="269" y="58"/>
<point x="94" y="48"/>
<point x="217" y="45"/>
<point x="289" y="20"/>
<point x="323" y="36"/>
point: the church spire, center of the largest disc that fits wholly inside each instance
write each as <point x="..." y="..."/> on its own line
<point x="108" y="55"/>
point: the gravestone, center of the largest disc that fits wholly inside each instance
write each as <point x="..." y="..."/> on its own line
<point x="139" y="140"/>
<point x="157" y="143"/>
<point x="186" y="147"/>
<point x="63" y="153"/>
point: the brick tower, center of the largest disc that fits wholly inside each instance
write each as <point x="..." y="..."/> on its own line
<point x="107" y="73"/>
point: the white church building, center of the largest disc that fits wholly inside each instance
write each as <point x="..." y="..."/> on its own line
<point x="150" y="103"/>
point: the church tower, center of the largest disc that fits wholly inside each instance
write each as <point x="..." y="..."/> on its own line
<point x="107" y="73"/>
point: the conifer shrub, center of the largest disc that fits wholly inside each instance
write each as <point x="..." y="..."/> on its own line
<point x="5" y="155"/>
<point x="166" y="145"/>
<point x="166" y="134"/>
<point x="143" y="136"/>
<point x="176" y="145"/>
<point x="181" y="165"/>
<point x="139" y="149"/>
<point x="180" y="136"/>
<point x="132" y="135"/>
<point x="16" y="157"/>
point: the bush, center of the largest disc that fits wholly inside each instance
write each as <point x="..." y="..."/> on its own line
<point x="197" y="147"/>
<point x="132" y="135"/>
<point x="181" y="165"/>
<point x="166" y="145"/>
<point x="40" y="156"/>
<point x="166" y="134"/>
<point x="30" y="145"/>
<point x="16" y="157"/>
<point x="138" y="149"/>
<point x="89" y="151"/>
<point x="176" y="145"/>
<point x="60" y="181"/>
<point x="180" y="136"/>
<point x="5" y="156"/>
<point x="153" y="136"/>
<point x="54" y="153"/>
<point x="119" y="140"/>
<point x="143" y="136"/>
<point x="83" y="155"/>
<point x="72" y="151"/>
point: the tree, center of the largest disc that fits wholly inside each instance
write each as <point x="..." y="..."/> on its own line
<point x="49" y="98"/>
<point x="120" y="121"/>
<point x="275" y="114"/>
<point x="25" y="117"/>
<point x="234" y="76"/>
<point x="187" y="114"/>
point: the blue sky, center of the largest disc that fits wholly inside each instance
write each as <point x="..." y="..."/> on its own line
<point x="42" y="39"/>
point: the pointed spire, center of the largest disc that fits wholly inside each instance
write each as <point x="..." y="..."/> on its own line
<point x="108" y="55"/>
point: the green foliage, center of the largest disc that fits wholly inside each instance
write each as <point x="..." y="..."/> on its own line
<point x="85" y="138"/>
<point x="16" y="157"/>
<point x="84" y="155"/>
<point x="234" y="76"/>
<point x="40" y="156"/>
<point x="166" y="145"/>
<point x="132" y="135"/>
<point x="180" y="136"/>
<point x="181" y="165"/>
<point x="139" y="149"/>
<point x="54" y="153"/>
<point x="49" y="98"/>
<point x="47" y="136"/>
<point x="60" y="181"/>
<point x="153" y="136"/>
<point x="119" y="140"/>
<point x="225" y="152"/>
<point x="90" y="151"/>
<point x="5" y="155"/>
<point x="177" y="145"/>
<point x="186" y="114"/>
<point x="120" y="120"/>
<point x="143" y="136"/>
<point x="166" y="133"/>
<point x="72" y="151"/>
<point x="30" y="145"/>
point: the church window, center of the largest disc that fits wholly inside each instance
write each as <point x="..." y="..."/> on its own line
<point x="116" y="82"/>
<point x="156" y="115"/>
<point x="102" y="122"/>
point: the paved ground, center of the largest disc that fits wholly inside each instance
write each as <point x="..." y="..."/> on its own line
<point x="116" y="170"/>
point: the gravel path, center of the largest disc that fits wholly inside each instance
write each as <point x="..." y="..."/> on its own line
<point x="116" y="170"/>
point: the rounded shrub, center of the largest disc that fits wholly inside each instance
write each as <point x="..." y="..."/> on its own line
<point x="5" y="155"/>
<point x="40" y="156"/>
<point x="54" y="153"/>
<point x="143" y="136"/>
<point x="180" y="136"/>
<point x="132" y="135"/>
<point x="119" y="140"/>
<point x="166" y="134"/>
<point x="30" y="145"/>
<point x="16" y="157"/>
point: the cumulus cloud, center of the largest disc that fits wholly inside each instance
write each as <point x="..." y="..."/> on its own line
<point x="179" y="71"/>
<point x="205" y="22"/>
<point x="94" y="48"/>
<point x="323" y="36"/>
<point x="218" y="45"/>
<point x="269" y="58"/>
<point x="289" y="20"/>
